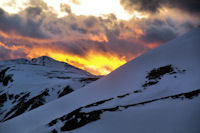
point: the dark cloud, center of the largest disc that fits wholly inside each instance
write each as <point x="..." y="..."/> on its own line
<point x="19" y="53"/>
<point x="17" y="24"/>
<point x="142" y="5"/>
<point x="33" y="11"/>
<point x="156" y="30"/>
<point x="192" y="6"/>
<point x="159" y="34"/>
<point x="52" y="28"/>
<point x="90" y="21"/>
<point x="163" y="30"/>
<point x="65" y="8"/>
<point x="75" y="27"/>
<point x="75" y="48"/>
<point x="112" y="34"/>
<point x="127" y="48"/>
<point x="6" y="54"/>
<point x="157" y="22"/>
<point x="187" y="26"/>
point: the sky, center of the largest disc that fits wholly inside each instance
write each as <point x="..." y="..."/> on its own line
<point x="95" y="35"/>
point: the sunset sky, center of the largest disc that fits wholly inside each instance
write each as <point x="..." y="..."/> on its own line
<point x="95" y="35"/>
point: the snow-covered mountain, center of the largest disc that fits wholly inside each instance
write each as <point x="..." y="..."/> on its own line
<point x="26" y="85"/>
<point x="158" y="92"/>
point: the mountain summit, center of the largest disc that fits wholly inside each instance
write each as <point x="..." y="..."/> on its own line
<point x="158" y="92"/>
<point x="28" y="84"/>
<point x="47" y="61"/>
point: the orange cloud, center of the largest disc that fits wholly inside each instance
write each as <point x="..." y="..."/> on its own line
<point x="94" y="62"/>
<point x="99" y="38"/>
<point x="92" y="51"/>
<point x="14" y="48"/>
<point x="152" y="45"/>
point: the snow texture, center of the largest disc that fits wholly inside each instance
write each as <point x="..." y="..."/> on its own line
<point x="26" y="85"/>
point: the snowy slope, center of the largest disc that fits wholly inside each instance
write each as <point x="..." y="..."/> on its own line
<point x="26" y="85"/>
<point x="157" y="92"/>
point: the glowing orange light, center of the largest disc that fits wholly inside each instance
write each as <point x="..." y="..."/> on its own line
<point x="94" y="62"/>
<point x="98" y="38"/>
<point x="152" y="45"/>
<point x="14" y="48"/>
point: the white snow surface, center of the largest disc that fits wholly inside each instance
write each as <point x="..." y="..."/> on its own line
<point x="34" y="77"/>
<point x="161" y="116"/>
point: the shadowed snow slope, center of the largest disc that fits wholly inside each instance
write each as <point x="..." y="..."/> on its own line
<point x="26" y="85"/>
<point x="157" y="92"/>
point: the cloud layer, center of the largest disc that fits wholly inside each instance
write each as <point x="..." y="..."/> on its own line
<point x="97" y="44"/>
<point x="191" y="6"/>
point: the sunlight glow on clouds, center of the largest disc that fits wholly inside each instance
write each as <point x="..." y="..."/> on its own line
<point x="100" y="7"/>
<point x="95" y="35"/>
<point x="13" y="6"/>
<point x="86" y="7"/>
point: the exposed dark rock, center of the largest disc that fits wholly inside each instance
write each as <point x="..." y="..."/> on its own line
<point x="66" y="91"/>
<point x="52" y="122"/>
<point x="24" y="104"/>
<point x="188" y="95"/>
<point x="98" y="103"/>
<point x="88" y="80"/>
<point x="3" y="73"/>
<point x="18" y="108"/>
<point x="54" y="131"/>
<point x="149" y="83"/>
<point x="16" y="97"/>
<point x="23" y="98"/>
<point x="137" y="91"/>
<point x="11" y="96"/>
<point x="3" y="98"/>
<point x="5" y="78"/>
<point x="78" y="118"/>
<point x="111" y="109"/>
<point x="155" y="75"/>
<point x="38" y="100"/>
<point x="121" y="96"/>
<point x="60" y="77"/>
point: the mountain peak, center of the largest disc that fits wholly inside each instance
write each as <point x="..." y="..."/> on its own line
<point x="45" y="57"/>
<point x="46" y="62"/>
<point x="43" y="60"/>
<point x="50" y="62"/>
